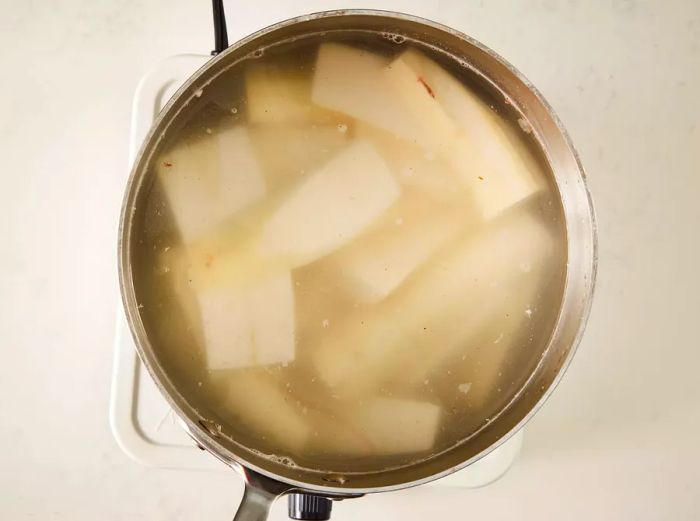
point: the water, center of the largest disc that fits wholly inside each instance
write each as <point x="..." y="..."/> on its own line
<point x="351" y="256"/>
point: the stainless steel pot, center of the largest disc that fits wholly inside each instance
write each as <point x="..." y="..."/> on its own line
<point x="266" y="480"/>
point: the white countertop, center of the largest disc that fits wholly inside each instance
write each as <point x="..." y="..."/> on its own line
<point x="620" y="437"/>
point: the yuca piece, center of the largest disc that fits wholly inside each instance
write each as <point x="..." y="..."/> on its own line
<point x="249" y="326"/>
<point x="335" y="433"/>
<point x="243" y="326"/>
<point x="353" y="81"/>
<point x="381" y="259"/>
<point x="497" y="170"/>
<point x="331" y="206"/>
<point x="281" y="94"/>
<point x="276" y="95"/>
<point x="396" y="426"/>
<point x="287" y="152"/>
<point x="484" y="335"/>
<point x="379" y="427"/>
<point x="210" y="179"/>
<point x="207" y="182"/>
<point x="407" y="336"/>
<point x="326" y="210"/>
<point x="415" y="167"/>
<point x="486" y="349"/>
<point x="417" y="100"/>
<point x="257" y="402"/>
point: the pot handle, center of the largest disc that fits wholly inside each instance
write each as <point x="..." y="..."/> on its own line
<point x="259" y="494"/>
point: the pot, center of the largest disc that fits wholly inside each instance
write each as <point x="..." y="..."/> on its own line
<point x="310" y="491"/>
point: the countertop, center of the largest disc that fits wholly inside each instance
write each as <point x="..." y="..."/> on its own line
<point x="619" y="438"/>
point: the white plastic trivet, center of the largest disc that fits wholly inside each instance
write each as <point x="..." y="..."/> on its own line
<point x="141" y="420"/>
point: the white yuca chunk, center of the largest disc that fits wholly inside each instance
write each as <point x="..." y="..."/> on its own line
<point x="380" y="260"/>
<point x="484" y="273"/>
<point x="320" y="213"/>
<point x="381" y="263"/>
<point x="486" y="349"/>
<point x="239" y="326"/>
<point x="487" y="329"/>
<point x="330" y="207"/>
<point x="209" y="180"/>
<point x="508" y="171"/>
<point x="173" y="262"/>
<point x="498" y="169"/>
<point x="258" y="403"/>
<point x="250" y="325"/>
<point x="353" y="81"/>
<point x="205" y="183"/>
<point x="226" y="332"/>
<point x="271" y="312"/>
<point x="419" y="100"/>
<point x="413" y="166"/>
<point x="334" y="432"/>
<point x="287" y="152"/>
<point x="396" y="426"/>
<point x="407" y="337"/>
<point x="376" y="427"/>
<point x="276" y="94"/>
<point x="282" y="94"/>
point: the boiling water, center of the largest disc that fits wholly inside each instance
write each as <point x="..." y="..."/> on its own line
<point x="351" y="255"/>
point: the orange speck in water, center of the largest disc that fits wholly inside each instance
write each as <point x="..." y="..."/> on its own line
<point x="427" y="87"/>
